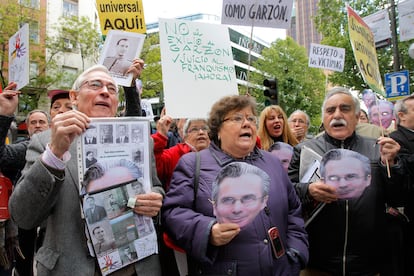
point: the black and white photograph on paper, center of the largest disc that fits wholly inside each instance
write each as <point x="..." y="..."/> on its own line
<point x="119" y="51"/>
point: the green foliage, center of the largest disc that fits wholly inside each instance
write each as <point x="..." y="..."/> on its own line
<point x="75" y="34"/>
<point x="331" y="21"/>
<point x="152" y="76"/>
<point x="12" y="16"/>
<point x="300" y="87"/>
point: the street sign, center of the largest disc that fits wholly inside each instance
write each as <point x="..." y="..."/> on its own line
<point x="397" y="85"/>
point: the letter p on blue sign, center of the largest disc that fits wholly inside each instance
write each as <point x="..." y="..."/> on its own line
<point x="397" y="85"/>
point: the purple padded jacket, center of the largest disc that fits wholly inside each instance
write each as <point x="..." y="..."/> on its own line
<point x="250" y="252"/>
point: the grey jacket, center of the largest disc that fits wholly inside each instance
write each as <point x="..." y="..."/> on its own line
<point x="43" y="193"/>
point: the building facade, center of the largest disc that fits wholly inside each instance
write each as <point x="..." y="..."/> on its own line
<point x="302" y="29"/>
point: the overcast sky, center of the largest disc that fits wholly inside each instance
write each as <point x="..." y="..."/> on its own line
<point x="154" y="9"/>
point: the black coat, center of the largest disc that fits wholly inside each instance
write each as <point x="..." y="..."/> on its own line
<point x="348" y="233"/>
<point x="405" y="138"/>
<point x="13" y="156"/>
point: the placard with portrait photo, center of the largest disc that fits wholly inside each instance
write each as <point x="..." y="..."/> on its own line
<point x="113" y="169"/>
<point x="119" y="51"/>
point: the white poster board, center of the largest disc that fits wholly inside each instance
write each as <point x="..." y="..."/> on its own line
<point x="19" y="57"/>
<point x="326" y="57"/>
<point x="197" y="66"/>
<point x="119" y="51"/>
<point x="379" y="23"/>
<point x="406" y="20"/>
<point x="263" y="13"/>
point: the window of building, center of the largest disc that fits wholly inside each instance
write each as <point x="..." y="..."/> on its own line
<point x="242" y="56"/>
<point x="70" y="45"/>
<point x="33" y="31"/>
<point x="245" y="42"/>
<point x="33" y="70"/>
<point x="70" y="8"/>
<point x="34" y="4"/>
<point x="69" y="76"/>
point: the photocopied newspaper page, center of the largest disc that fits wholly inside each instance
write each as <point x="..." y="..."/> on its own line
<point x="114" y="166"/>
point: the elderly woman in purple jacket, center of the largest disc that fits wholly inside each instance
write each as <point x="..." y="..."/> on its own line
<point x="273" y="242"/>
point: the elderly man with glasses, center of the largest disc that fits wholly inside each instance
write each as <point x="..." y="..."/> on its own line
<point x="52" y="166"/>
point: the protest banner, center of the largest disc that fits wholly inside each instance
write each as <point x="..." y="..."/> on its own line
<point x="19" y="57"/>
<point x="126" y="15"/>
<point x="197" y="66"/>
<point x="363" y="46"/>
<point x="265" y="13"/>
<point x="326" y="57"/>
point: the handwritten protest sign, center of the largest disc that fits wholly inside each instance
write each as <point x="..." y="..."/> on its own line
<point x="326" y="57"/>
<point x="197" y="66"/>
<point x="363" y="46"/>
<point x="126" y="15"/>
<point x="19" y="57"/>
<point x="264" y="13"/>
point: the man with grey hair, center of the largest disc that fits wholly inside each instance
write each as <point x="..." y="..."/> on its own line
<point x="344" y="237"/>
<point x="52" y="165"/>
<point x="299" y="123"/>
<point x="37" y="121"/>
<point x="404" y="135"/>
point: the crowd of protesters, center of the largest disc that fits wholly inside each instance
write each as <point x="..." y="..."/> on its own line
<point x="224" y="198"/>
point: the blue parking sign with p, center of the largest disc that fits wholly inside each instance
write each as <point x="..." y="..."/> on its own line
<point x="397" y="85"/>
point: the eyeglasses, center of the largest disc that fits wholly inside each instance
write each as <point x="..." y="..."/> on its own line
<point x="246" y="201"/>
<point x="197" y="129"/>
<point x="239" y="119"/>
<point x="97" y="85"/>
<point x="347" y="177"/>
